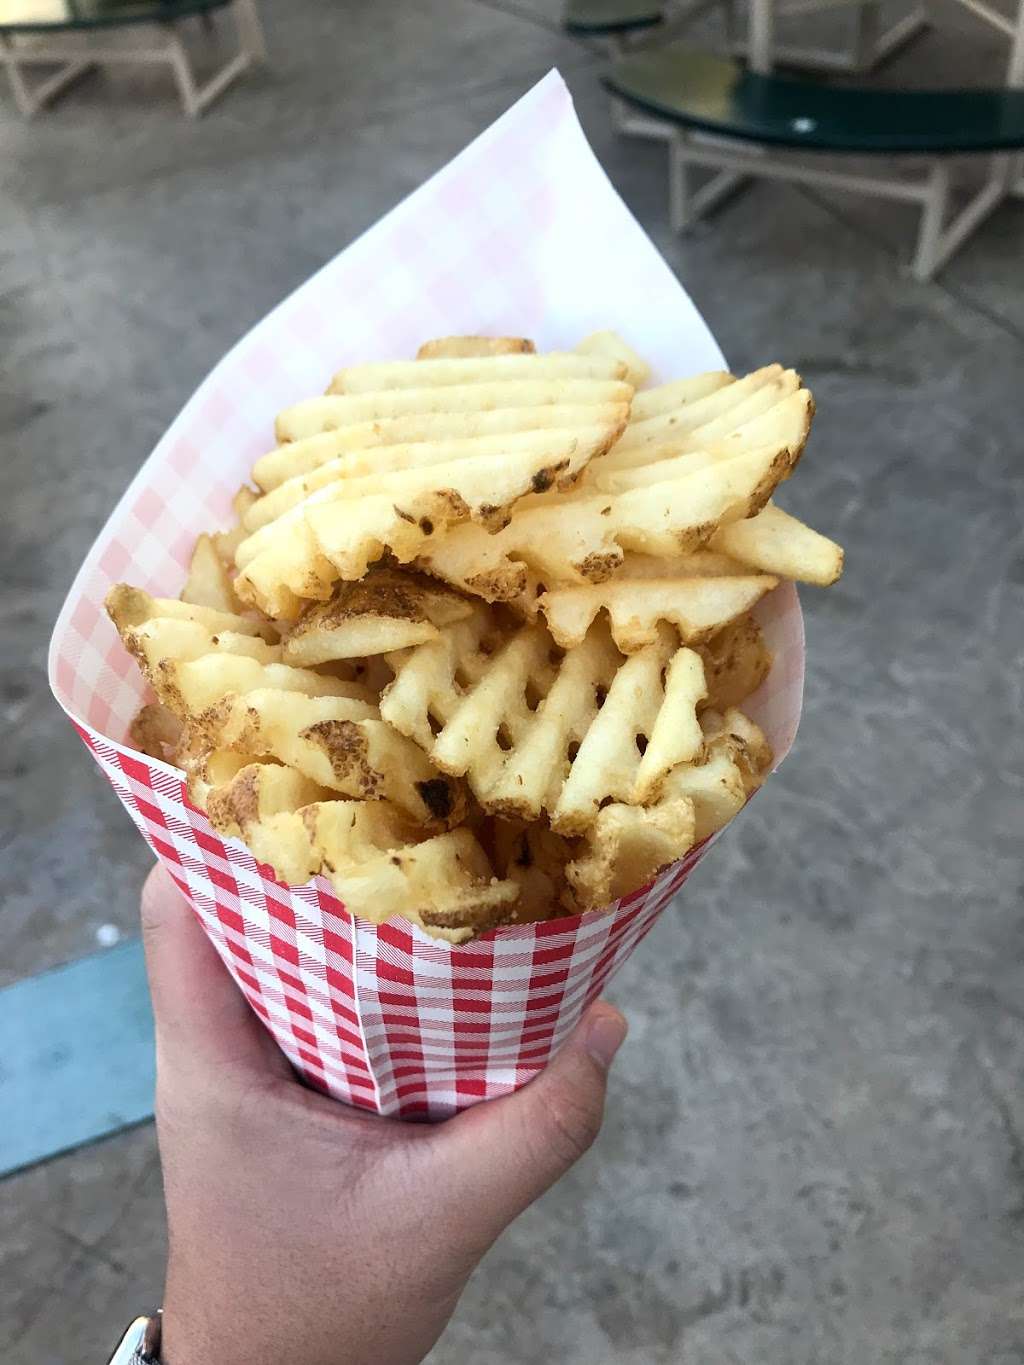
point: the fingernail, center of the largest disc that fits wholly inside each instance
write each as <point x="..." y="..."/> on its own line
<point x="605" y="1035"/>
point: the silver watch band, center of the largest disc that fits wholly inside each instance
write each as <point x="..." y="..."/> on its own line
<point x="140" y="1344"/>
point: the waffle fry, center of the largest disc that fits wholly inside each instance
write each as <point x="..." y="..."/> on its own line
<point x="697" y="606"/>
<point x="336" y="412"/>
<point x="227" y="542"/>
<point x="535" y="859"/>
<point x="626" y="848"/>
<point x="474" y="650"/>
<point x="388" y="610"/>
<point x="713" y="413"/>
<point x="376" y="861"/>
<point x="442" y="438"/>
<point x="209" y="582"/>
<point x="340" y="530"/>
<point x="736" y="663"/>
<point x="155" y="731"/>
<point x="130" y="608"/>
<point x="738" y="759"/>
<point x="414" y="374"/>
<point x="535" y="731"/>
<point x="611" y="344"/>
<point x="337" y="742"/>
<point x="582" y="537"/>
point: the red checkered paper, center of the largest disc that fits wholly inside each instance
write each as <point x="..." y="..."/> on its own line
<point x="520" y="234"/>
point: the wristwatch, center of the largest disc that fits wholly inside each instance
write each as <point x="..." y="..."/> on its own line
<point x="140" y="1344"/>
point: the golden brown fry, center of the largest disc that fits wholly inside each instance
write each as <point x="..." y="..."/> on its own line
<point x="209" y="582"/>
<point x="777" y="543"/>
<point x="462" y="348"/>
<point x="409" y="374"/>
<point x="387" y="610"/>
<point x="377" y="862"/>
<point x="536" y="731"/>
<point x="736" y="663"/>
<point x="155" y="731"/>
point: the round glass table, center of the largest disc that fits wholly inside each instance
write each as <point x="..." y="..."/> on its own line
<point x="76" y="35"/>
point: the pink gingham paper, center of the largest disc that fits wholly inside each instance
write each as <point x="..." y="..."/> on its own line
<point x="522" y="234"/>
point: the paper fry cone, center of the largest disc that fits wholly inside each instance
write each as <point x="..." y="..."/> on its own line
<point x="521" y="234"/>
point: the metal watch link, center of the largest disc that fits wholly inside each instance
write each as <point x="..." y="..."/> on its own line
<point x="140" y="1344"/>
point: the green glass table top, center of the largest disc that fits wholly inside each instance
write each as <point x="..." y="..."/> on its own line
<point x="721" y="96"/>
<point x="40" y="16"/>
<point x="611" y="16"/>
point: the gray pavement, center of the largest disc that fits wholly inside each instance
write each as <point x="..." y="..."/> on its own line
<point x="814" y="1149"/>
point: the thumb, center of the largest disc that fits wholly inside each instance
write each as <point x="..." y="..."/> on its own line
<point x="507" y="1152"/>
<point x="202" y="1019"/>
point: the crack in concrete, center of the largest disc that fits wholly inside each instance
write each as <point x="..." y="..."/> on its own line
<point x="90" y="1251"/>
<point x="1008" y="1123"/>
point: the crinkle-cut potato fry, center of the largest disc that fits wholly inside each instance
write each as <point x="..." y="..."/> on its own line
<point x="612" y="345"/>
<point x="442" y="439"/>
<point x="410" y="374"/>
<point x="387" y="610"/>
<point x="627" y="847"/>
<point x="336" y="413"/>
<point x="534" y="730"/>
<point x="778" y="543"/>
<point x="736" y="663"/>
<point x="209" y="582"/>
<point x="227" y="542"/>
<point x="368" y="851"/>
<point x="337" y="742"/>
<point x="697" y="607"/>
<point x="155" y="731"/>
<point x="340" y="530"/>
<point x="581" y="537"/>
<point x="461" y="348"/>
<point x="130" y="608"/>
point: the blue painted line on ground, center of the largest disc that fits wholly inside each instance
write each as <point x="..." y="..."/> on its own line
<point x="76" y="1055"/>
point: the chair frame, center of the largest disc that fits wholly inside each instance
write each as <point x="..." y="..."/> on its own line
<point x="733" y="161"/>
<point x="870" y="44"/>
<point x="78" y="51"/>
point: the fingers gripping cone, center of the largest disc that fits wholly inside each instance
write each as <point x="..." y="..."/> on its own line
<point x="379" y="1015"/>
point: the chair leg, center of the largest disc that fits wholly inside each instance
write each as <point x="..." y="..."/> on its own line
<point x="678" y="184"/>
<point x="866" y="26"/>
<point x="31" y="98"/>
<point x="250" y="30"/>
<point x="933" y="216"/>
<point x="177" y="55"/>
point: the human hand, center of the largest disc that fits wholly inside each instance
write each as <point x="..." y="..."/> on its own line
<point x="302" y="1230"/>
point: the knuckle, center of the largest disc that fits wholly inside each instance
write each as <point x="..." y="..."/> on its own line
<point x="573" y="1121"/>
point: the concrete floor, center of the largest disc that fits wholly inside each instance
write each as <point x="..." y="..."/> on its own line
<point x="814" y="1150"/>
